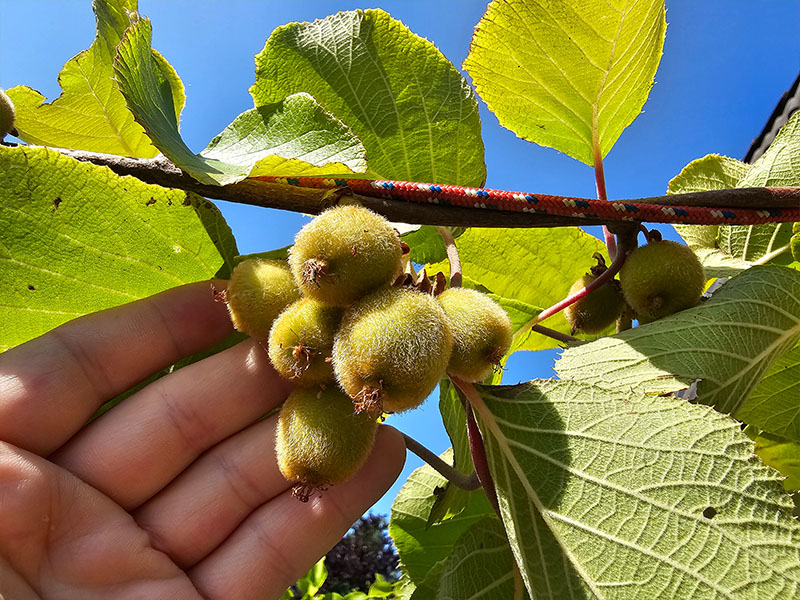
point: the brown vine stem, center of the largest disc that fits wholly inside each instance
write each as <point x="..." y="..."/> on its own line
<point x="465" y="482"/>
<point x="452" y="256"/>
<point x="476" y="445"/>
<point x="556" y="335"/>
<point x="160" y="171"/>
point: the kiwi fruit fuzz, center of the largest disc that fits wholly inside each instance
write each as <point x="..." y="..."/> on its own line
<point x="481" y="333"/>
<point x="391" y="349"/>
<point x="597" y="311"/>
<point x="321" y="441"/>
<point x="344" y="253"/>
<point x="259" y="290"/>
<point x="660" y="279"/>
<point x="7" y="116"/>
<point x="301" y="341"/>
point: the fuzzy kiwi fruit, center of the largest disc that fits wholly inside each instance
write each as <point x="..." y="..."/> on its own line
<point x="7" y="116"/>
<point x="257" y="293"/>
<point x="321" y="440"/>
<point x="301" y="341"/>
<point x="391" y="349"/>
<point x="660" y="279"/>
<point x="481" y="332"/>
<point x="344" y="253"/>
<point x="601" y="308"/>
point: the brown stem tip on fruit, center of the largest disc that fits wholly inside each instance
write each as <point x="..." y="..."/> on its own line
<point x="303" y="491"/>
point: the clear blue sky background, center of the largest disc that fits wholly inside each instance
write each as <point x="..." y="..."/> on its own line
<point x="726" y="64"/>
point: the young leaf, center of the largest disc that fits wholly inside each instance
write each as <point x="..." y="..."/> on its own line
<point x="292" y="137"/>
<point x="617" y="494"/>
<point x="571" y="74"/>
<point x="90" y="114"/>
<point x="726" y="249"/>
<point x="481" y="565"/>
<point x="414" y="112"/>
<point x="526" y="271"/>
<point x="75" y="238"/>
<point x="728" y="343"/>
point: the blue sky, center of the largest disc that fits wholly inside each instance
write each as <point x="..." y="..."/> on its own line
<point x="725" y="65"/>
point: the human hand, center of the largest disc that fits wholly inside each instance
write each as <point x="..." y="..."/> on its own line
<point x="175" y="492"/>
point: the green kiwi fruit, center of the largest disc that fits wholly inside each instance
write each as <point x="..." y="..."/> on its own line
<point x="301" y="341"/>
<point x="481" y="332"/>
<point x="392" y="349"/>
<point x="597" y="311"/>
<point x="344" y="253"/>
<point x="257" y="293"/>
<point x="7" y="116"/>
<point x="321" y="440"/>
<point x="660" y="279"/>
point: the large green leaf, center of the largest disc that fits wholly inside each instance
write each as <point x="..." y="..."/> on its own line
<point x="481" y="565"/>
<point x="414" y="112"/>
<point x="612" y="494"/>
<point x="570" y="74"/>
<point x="727" y="249"/>
<point x="526" y="271"/>
<point x="728" y="343"/>
<point x="76" y="238"/>
<point x="295" y="136"/>
<point x="420" y="546"/>
<point x="91" y="114"/>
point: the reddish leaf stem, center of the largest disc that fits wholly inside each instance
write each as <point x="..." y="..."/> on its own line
<point x="476" y="446"/>
<point x="607" y="275"/>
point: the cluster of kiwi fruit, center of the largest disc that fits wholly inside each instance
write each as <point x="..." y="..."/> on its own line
<point x="346" y="319"/>
<point x="656" y="280"/>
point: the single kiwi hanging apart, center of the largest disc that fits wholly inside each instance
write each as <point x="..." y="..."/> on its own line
<point x="481" y="332"/>
<point x="661" y="278"/>
<point x="321" y="441"/>
<point x="600" y="308"/>
<point x="344" y="253"/>
<point x="391" y="350"/>
<point x="259" y="290"/>
<point x="7" y="116"/>
<point x="301" y="341"/>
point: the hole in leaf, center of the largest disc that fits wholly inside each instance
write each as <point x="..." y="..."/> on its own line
<point x="709" y="512"/>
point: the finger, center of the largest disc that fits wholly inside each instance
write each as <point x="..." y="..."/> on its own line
<point x="283" y="538"/>
<point x="138" y="447"/>
<point x="50" y="386"/>
<point x="196" y="512"/>
<point x="67" y="540"/>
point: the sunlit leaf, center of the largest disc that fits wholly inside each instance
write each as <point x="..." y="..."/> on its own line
<point x="414" y="112"/>
<point x="76" y="238"/>
<point x="526" y="271"/>
<point x="91" y="113"/>
<point x="294" y="136"/>
<point x="727" y="249"/>
<point x="572" y="74"/>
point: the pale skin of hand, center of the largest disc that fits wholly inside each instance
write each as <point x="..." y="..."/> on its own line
<point x="174" y="493"/>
